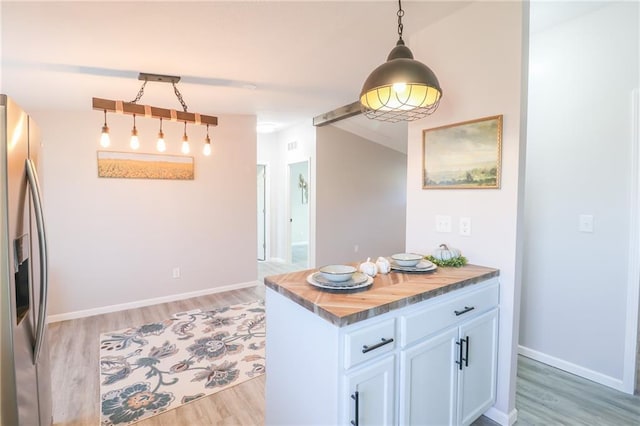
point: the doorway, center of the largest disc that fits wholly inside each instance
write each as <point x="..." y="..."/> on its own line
<point x="298" y="253"/>
<point x="262" y="211"/>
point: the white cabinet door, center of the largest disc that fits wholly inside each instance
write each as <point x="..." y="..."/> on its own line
<point x="477" y="379"/>
<point x="371" y="394"/>
<point x="428" y="375"/>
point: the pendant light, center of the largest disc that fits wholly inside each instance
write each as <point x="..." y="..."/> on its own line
<point x="206" y="150"/>
<point x="135" y="142"/>
<point x="161" y="145"/>
<point x="401" y="89"/>
<point x="105" y="141"/>
<point x="185" y="140"/>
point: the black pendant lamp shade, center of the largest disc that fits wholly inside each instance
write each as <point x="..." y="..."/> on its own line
<point x="401" y="89"/>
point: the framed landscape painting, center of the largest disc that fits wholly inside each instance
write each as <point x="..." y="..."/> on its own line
<point x="133" y="165"/>
<point x="463" y="155"/>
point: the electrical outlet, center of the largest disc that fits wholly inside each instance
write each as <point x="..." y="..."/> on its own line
<point x="443" y="223"/>
<point x="585" y="223"/>
<point x="356" y="248"/>
<point x="465" y="226"/>
<point x="176" y="272"/>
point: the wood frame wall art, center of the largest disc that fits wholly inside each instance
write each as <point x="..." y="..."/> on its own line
<point x="463" y="155"/>
<point x="134" y="165"/>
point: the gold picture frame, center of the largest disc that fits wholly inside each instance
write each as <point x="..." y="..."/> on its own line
<point x="134" y="165"/>
<point x="464" y="155"/>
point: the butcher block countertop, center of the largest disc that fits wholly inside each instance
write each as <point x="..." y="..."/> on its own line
<point x="388" y="292"/>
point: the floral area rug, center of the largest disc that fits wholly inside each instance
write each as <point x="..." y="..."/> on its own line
<point x="156" y="367"/>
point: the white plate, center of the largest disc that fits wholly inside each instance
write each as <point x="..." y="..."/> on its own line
<point x="356" y="278"/>
<point x="332" y="286"/>
<point x="423" y="266"/>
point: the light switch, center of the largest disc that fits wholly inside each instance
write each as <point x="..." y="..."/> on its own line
<point x="585" y="223"/>
<point x="443" y="223"/>
<point x="175" y="273"/>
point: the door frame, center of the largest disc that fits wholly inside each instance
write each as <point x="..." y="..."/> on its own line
<point x="265" y="214"/>
<point x="288" y="233"/>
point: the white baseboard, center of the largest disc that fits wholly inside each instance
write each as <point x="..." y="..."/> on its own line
<point x="146" y="302"/>
<point x="501" y="417"/>
<point x="569" y="367"/>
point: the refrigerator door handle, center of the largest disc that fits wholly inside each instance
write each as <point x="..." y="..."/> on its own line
<point x="34" y="187"/>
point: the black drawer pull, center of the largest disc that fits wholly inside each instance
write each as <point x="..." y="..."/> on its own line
<point x="383" y="342"/>
<point x="356" y="398"/>
<point x="464" y="311"/>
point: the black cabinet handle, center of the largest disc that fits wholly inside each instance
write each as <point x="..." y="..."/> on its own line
<point x="383" y="342"/>
<point x="463" y="346"/>
<point x="356" y="398"/>
<point x="459" y="343"/>
<point x="466" y="351"/>
<point x="464" y="311"/>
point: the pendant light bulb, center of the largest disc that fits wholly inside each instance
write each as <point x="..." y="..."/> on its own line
<point x="161" y="146"/>
<point x="206" y="150"/>
<point x="185" y="140"/>
<point x="105" y="141"/>
<point x="135" y="142"/>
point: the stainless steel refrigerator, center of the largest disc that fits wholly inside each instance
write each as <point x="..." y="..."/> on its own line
<point x="24" y="356"/>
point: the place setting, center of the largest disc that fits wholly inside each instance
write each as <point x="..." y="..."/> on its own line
<point x="340" y="279"/>
<point x="411" y="262"/>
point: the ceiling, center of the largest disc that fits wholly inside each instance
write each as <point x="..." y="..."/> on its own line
<point x="283" y="61"/>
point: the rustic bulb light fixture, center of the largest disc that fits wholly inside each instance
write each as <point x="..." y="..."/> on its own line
<point x="135" y="142"/>
<point x="206" y="150"/>
<point x="105" y="141"/>
<point x="401" y="89"/>
<point x="133" y="108"/>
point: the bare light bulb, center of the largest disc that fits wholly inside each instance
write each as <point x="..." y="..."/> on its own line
<point x="135" y="142"/>
<point x="206" y="150"/>
<point x="185" y="140"/>
<point x="185" y="147"/>
<point x="161" y="145"/>
<point x="105" y="141"/>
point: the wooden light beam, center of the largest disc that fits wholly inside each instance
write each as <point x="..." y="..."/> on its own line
<point x="122" y="107"/>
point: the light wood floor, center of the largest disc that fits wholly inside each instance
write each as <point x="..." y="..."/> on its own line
<point x="545" y="395"/>
<point x="76" y="385"/>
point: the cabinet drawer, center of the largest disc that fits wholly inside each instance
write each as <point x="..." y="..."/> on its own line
<point x="424" y="322"/>
<point x="369" y="342"/>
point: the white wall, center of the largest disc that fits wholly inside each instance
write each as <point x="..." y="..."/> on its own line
<point x="115" y="241"/>
<point x="273" y="150"/>
<point x="574" y="296"/>
<point x="477" y="54"/>
<point x="360" y="198"/>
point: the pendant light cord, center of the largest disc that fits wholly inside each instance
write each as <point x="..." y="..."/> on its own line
<point x="400" y="15"/>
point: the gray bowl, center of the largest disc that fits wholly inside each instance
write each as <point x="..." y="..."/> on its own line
<point x="337" y="273"/>
<point x="406" y="259"/>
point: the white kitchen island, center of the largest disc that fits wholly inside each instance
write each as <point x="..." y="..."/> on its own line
<point x="413" y="349"/>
